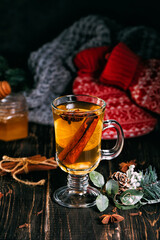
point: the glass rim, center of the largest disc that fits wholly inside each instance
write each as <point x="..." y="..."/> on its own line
<point x="80" y="95"/>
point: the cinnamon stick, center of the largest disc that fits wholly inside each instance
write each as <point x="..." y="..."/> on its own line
<point x="39" y="167"/>
<point x="80" y="139"/>
<point x="31" y="167"/>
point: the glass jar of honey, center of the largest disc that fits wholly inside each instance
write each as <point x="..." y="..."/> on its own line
<point x="13" y="117"/>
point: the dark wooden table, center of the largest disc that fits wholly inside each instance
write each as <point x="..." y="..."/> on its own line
<point x="30" y="213"/>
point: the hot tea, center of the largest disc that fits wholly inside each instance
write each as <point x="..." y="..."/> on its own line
<point x="78" y="123"/>
<point x="78" y="130"/>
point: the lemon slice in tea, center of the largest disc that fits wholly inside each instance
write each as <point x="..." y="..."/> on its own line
<point x="65" y="132"/>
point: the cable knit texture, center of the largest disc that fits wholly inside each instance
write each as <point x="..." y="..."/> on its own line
<point x="52" y="65"/>
<point x="133" y="119"/>
<point x="121" y="67"/>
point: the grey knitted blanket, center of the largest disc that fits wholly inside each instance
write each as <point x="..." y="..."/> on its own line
<point x="52" y="65"/>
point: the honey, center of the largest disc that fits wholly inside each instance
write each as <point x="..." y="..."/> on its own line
<point x="13" y="118"/>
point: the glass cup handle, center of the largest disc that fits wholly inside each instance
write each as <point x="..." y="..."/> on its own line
<point x="109" y="154"/>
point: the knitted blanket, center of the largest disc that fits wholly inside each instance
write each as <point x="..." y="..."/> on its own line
<point x="52" y="65"/>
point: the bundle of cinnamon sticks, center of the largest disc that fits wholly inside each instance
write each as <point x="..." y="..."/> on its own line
<point x="34" y="163"/>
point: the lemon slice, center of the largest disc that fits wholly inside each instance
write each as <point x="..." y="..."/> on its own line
<point x="64" y="133"/>
<point x="95" y="138"/>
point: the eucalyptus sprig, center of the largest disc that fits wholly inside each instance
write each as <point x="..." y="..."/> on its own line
<point x="106" y="190"/>
<point x="102" y="201"/>
<point x="143" y="188"/>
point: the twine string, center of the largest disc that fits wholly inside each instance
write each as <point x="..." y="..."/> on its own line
<point x="22" y="165"/>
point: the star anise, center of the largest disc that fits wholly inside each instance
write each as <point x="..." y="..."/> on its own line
<point x="76" y="116"/>
<point x="72" y="116"/>
<point x="125" y="165"/>
<point x="108" y="218"/>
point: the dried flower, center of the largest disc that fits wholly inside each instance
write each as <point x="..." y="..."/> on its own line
<point x="135" y="177"/>
<point x="125" y="165"/>
<point x="114" y="209"/>
<point x="108" y="218"/>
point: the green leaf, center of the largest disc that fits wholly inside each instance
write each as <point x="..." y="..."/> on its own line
<point x="131" y="197"/>
<point x="97" y="178"/>
<point x="150" y="185"/>
<point x="126" y="207"/>
<point x="111" y="187"/>
<point x="102" y="202"/>
<point x="149" y="177"/>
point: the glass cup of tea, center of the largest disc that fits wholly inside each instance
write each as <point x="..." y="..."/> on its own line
<point x="78" y="124"/>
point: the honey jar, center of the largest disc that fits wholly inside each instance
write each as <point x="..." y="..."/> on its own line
<point x="13" y="117"/>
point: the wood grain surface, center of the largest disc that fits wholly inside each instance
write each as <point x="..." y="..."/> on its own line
<point x="29" y="213"/>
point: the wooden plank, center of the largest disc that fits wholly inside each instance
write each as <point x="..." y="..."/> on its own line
<point x="46" y="220"/>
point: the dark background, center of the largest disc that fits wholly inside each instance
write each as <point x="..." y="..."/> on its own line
<point x="25" y="25"/>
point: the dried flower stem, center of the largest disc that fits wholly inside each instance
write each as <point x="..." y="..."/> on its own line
<point x="136" y="214"/>
<point x="26" y="225"/>
<point x="38" y="213"/>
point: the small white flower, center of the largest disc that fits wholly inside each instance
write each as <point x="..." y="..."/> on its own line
<point x="138" y="184"/>
<point x="134" y="185"/>
<point x="133" y="180"/>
